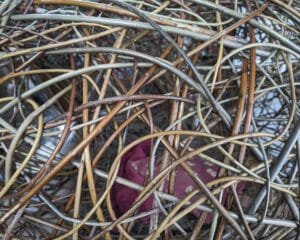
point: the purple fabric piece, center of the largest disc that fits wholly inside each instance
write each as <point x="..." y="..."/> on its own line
<point x="134" y="167"/>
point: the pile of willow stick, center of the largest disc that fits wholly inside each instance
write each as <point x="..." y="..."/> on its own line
<point x="84" y="84"/>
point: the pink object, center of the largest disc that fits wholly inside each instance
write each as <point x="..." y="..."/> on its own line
<point x="134" y="167"/>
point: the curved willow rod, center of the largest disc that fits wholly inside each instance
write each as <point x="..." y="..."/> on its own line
<point x="64" y="77"/>
<point x="169" y="221"/>
<point x="285" y="49"/>
<point x="168" y="218"/>
<point x="65" y="25"/>
<point x="9" y="180"/>
<point x="163" y="63"/>
<point x="121" y="23"/>
<point x="31" y="72"/>
<point x="253" y="22"/>
<point x="19" y="134"/>
<point x="59" y="44"/>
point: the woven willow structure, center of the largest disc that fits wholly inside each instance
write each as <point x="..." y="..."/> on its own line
<point x="149" y="119"/>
